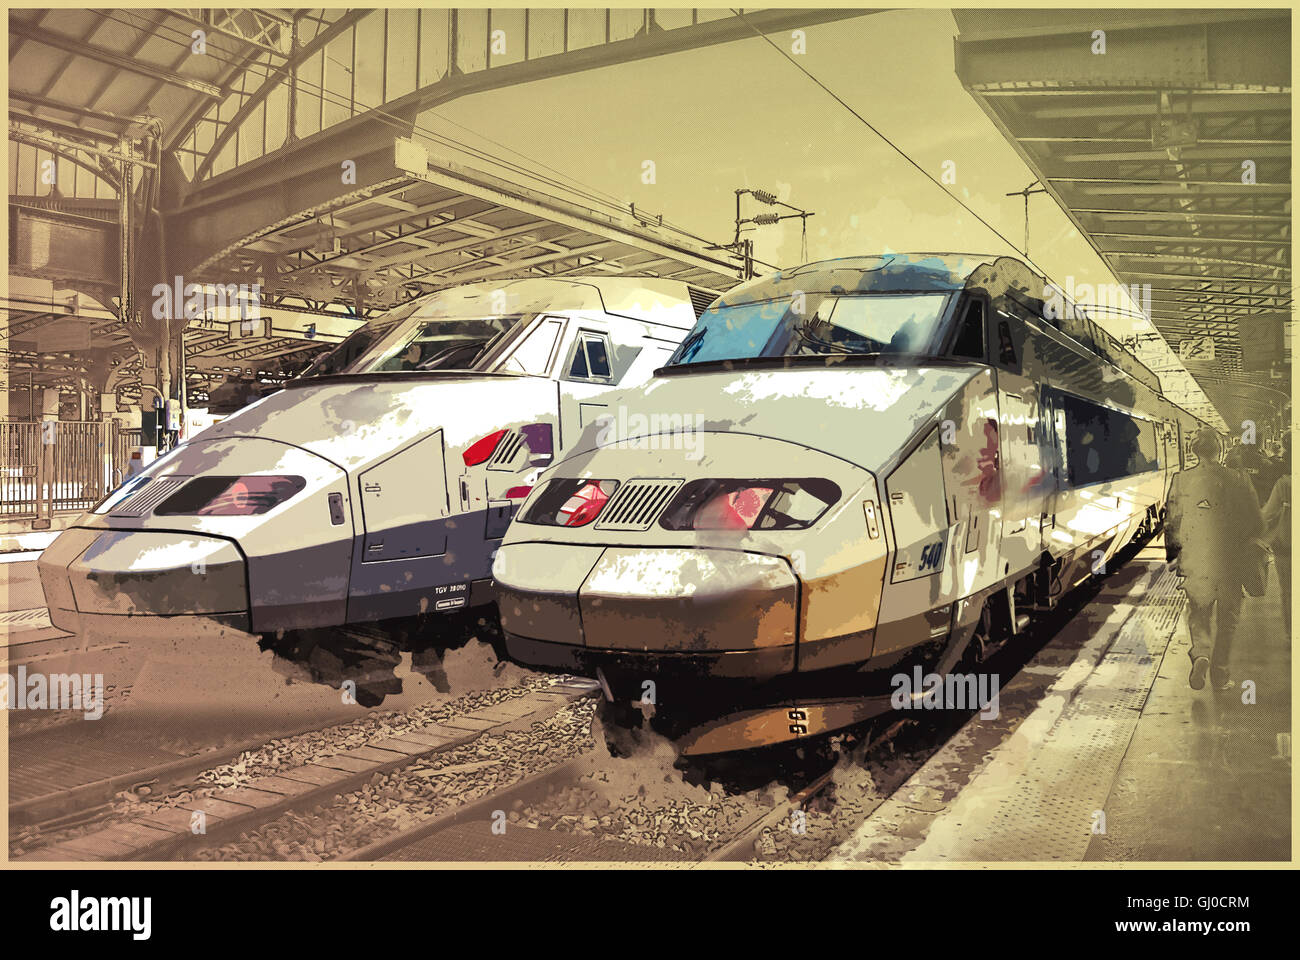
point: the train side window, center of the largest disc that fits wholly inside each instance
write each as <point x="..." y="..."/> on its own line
<point x="597" y="356"/>
<point x="969" y="342"/>
<point x="1104" y="444"/>
<point x="1006" y="345"/>
<point x="590" y="358"/>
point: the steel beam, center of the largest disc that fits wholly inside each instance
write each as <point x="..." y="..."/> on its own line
<point x="76" y="47"/>
<point x="455" y="84"/>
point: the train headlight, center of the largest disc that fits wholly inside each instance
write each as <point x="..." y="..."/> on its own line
<point x="230" y="496"/>
<point x="787" y="504"/>
<point x="570" y="503"/>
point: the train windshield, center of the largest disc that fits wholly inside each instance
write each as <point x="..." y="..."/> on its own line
<point x="442" y="343"/>
<point x="359" y="342"/>
<point x="871" y="324"/>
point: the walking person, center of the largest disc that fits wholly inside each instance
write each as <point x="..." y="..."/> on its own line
<point x="1213" y="522"/>
<point x="1276" y="464"/>
<point x="1277" y="523"/>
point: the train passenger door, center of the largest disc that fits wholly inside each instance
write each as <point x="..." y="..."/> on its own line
<point x="1052" y="451"/>
<point x="1024" y="479"/>
<point x="972" y="457"/>
<point x="973" y="480"/>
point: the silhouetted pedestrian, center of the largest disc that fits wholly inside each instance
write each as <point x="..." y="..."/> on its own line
<point x="1274" y="466"/>
<point x="1213" y="519"/>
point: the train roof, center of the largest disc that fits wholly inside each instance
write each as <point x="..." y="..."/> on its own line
<point x="878" y="273"/>
<point x="947" y="273"/>
<point x="648" y="299"/>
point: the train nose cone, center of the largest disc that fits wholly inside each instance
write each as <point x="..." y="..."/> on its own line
<point x="122" y="573"/>
<point x="537" y="589"/>
<point x="729" y="608"/>
<point x="688" y="599"/>
<point x="151" y="550"/>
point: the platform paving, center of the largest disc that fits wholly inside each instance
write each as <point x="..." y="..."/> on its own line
<point x="1103" y="753"/>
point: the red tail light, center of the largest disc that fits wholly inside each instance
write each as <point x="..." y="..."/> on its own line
<point x="518" y="493"/>
<point x="483" y="448"/>
<point x="584" y="506"/>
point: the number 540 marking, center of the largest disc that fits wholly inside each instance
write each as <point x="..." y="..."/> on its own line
<point x="931" y="555"/>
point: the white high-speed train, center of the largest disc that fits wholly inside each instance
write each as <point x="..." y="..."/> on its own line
<point x="378" y="484"/>
<point x="898" y="457"/>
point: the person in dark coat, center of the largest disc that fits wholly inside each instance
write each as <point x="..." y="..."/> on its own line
<point x="1213" y="516"/>
<point x="1250" y="460"/>
<point x="1277" y="522"/>
<point x="1273" y="467"/>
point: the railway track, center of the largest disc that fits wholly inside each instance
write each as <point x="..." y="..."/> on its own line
<point x="38" y="757"/>
<point x="534" y="820"/>
<point x="586" y="807"/>
<point x="484" y="830"/>
<point x="170" y="826"/>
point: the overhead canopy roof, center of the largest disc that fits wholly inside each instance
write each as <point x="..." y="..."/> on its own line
<point x="257" y="130"/>
<point x="54" y="336"/>
<point x="1165" y="136"/>
<point x="96" y="70"/>
<point x="430" y="222"/>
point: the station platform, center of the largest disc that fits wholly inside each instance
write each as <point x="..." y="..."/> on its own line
<point x="1102" y="752"/>
<point x="17" y="536"/>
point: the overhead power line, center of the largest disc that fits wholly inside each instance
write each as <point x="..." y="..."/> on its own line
<point x="895" y="147"/>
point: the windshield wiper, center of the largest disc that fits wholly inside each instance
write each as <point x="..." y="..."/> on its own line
<point x="692" y="341"/>
<point x="478" y="345"/>
<point x="804" y="333"/>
